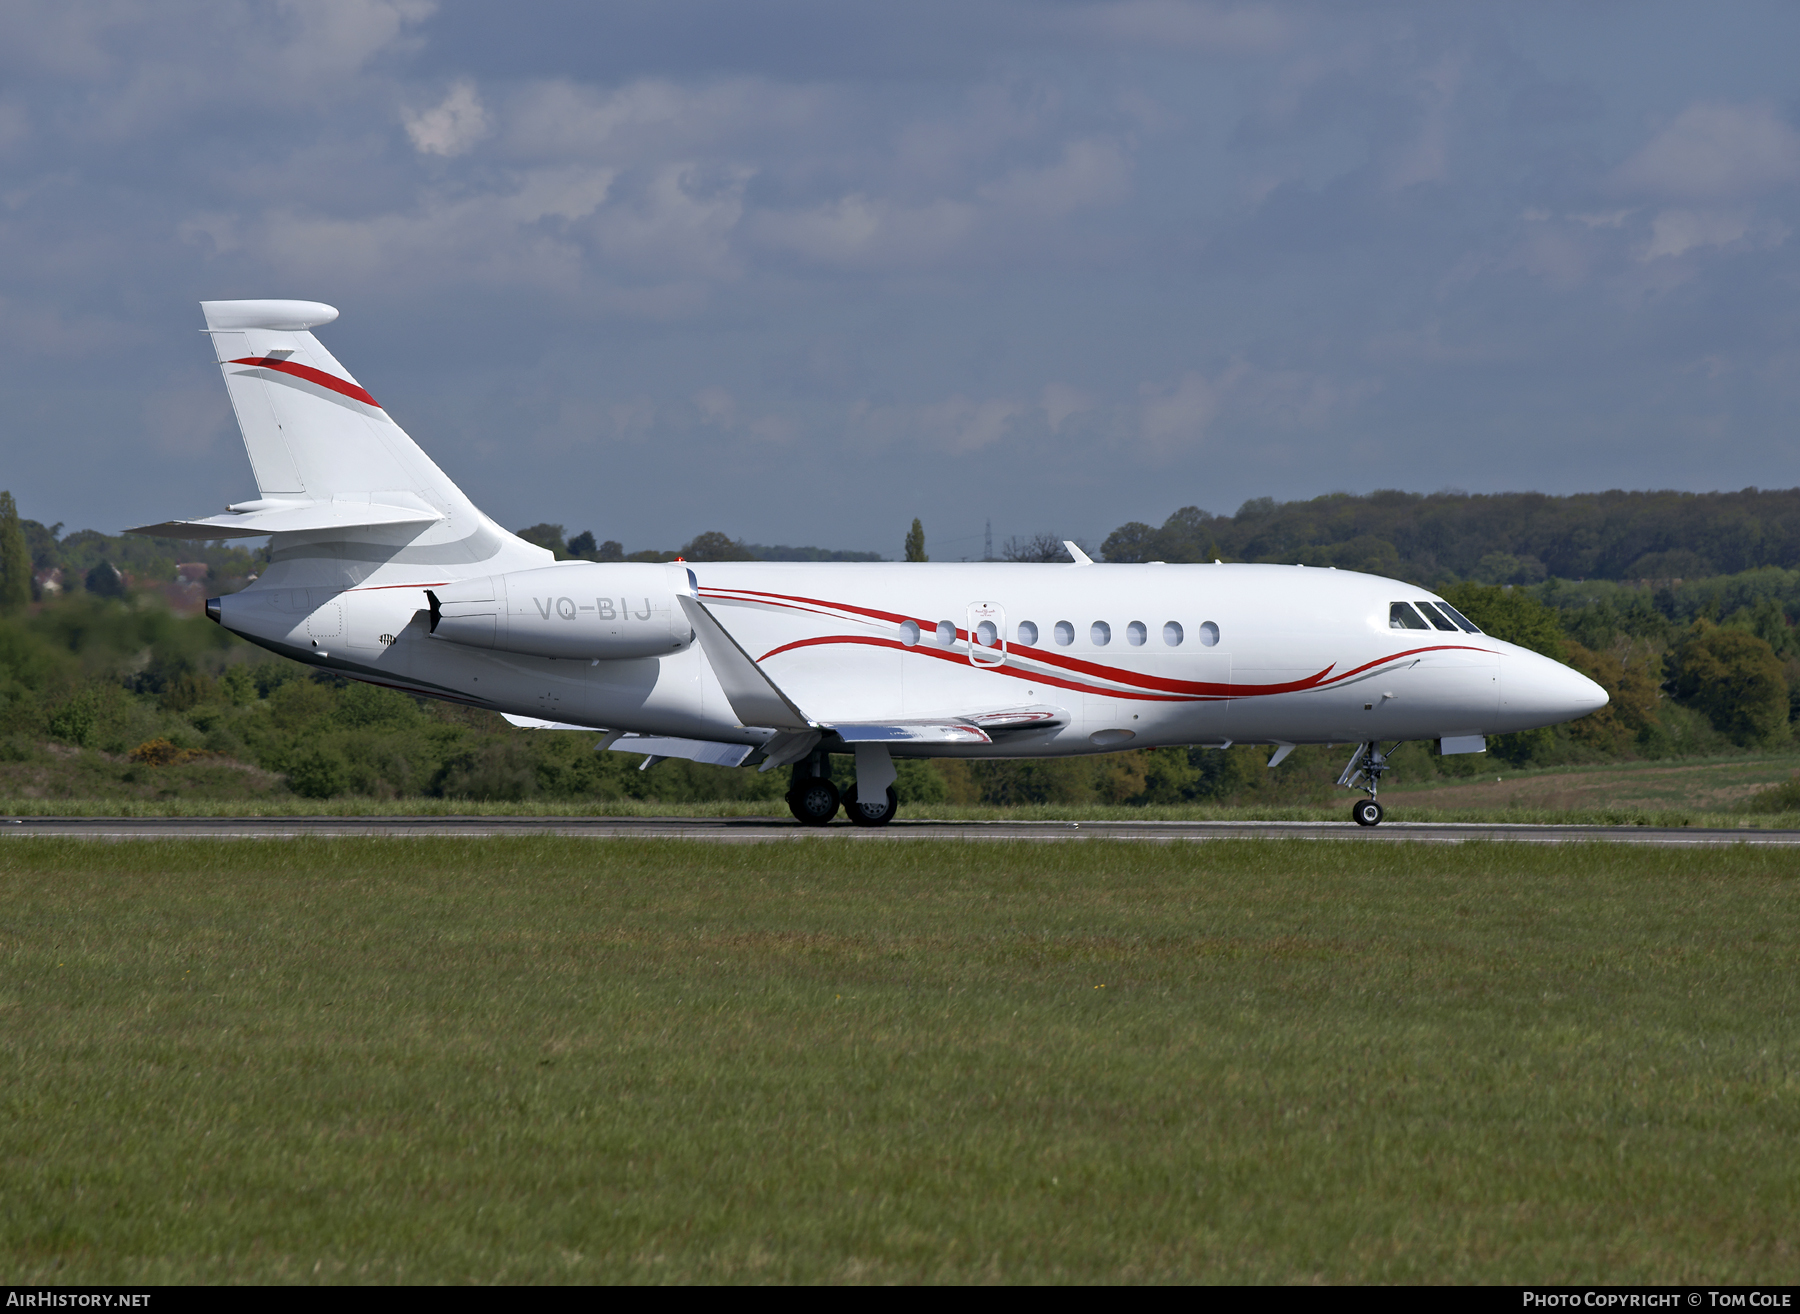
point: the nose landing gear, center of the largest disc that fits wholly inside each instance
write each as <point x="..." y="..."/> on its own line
<point x="1364" y="772"/>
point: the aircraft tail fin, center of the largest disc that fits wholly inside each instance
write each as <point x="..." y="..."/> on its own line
<point x="312" y="431"/>
<point x="328" y="458"/>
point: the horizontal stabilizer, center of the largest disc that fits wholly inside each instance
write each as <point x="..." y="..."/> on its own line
<point x="275" y="517"/>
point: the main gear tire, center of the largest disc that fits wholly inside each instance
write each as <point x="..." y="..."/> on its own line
<point x="863" y="815"/>
<point x="813" y="802"/>
<point x="1366" y="812"/>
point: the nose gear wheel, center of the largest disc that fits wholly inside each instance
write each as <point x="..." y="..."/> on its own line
<point x="1364" y="772"/>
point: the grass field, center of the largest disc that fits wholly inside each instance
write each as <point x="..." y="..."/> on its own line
<point x="1693" y="792"/>
<point x="563" y="1061"/>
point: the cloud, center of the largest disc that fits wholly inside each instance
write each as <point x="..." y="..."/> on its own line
<point x="1714" y="150"/>
<point x="1187" y="25"/>
<point x="963" y="424"/>
<point x="187" y="421"/>
<point x="1179" y="414"/>
<point x="1676" y="232"/>
<point x="518" y="236"/>
<point x="863" y="230"/>
<point x="650" y="119"/>
<point x="450" y="127"/>
<point x="334" y="38"/>
<point x="1092" y="171"/>
<point x="1183" y="413"/>
<point x="1060" y="402"/>
<point x="1426" y="157"/>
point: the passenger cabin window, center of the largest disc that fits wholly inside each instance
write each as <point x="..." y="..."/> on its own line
<point x="1437" y="619"/>
<point x="1172" y="634"/>
<point x="1028" y="634"/>
<point x="1458" y="617"/>
<point x="986" y="635"/>
<point x="1403" y="617"/>
<point x="1135" y="634"/>
<point x="1065" y="634"/>
<point x="1100" y="633"/>
<point x="946" y="633"/>
<point x="909" y="632"/>
<point x="1209" y="635"/>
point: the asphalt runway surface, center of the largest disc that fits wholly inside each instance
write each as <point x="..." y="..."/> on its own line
<point x="758" y="830"/>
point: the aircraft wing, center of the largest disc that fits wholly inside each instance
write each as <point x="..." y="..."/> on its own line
<point x="756" y="699"/>
<point x="759" y="701"/>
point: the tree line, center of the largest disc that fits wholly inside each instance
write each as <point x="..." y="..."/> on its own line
<point x="1497" y="538"/>
<point x="1692" y="667"/>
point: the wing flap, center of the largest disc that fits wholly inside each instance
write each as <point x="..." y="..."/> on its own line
<point x="966" y="728"/>
<point x="694" y="750"/>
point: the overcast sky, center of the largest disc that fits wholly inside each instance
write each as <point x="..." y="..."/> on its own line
<point x="800" y="271"/>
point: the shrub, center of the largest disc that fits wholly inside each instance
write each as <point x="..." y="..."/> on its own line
<point x="1736" y="679"/>
<point x="500" y="770"/>
<point x="161" y="752"/>
<point x="916" y="781"/>
<point x="1784" y="797"/>
<point x="317" y="773"/>
<point x="89" y="715"/>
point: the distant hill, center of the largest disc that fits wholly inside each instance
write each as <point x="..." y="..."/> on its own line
<point x="1499" y="538"/>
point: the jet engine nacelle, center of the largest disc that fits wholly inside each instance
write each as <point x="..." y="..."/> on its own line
<point x="581" y="609"/>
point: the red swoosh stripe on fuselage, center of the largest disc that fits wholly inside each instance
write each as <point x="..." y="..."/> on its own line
<point x="1036" y="677"/>
<point x="307" y="372"/>
<point x="1194" y="690"/>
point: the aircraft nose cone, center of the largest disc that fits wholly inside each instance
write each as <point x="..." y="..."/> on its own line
<point x="1547" y="691"/>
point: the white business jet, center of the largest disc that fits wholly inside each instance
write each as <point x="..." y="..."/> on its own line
<point x="382" y="570"/>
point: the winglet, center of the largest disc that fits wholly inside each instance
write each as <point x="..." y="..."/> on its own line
<point x="1081" y="558"/>
<point x="753" y="696"/>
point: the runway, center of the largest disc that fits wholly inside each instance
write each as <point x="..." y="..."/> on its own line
<point x="759" y="830"/>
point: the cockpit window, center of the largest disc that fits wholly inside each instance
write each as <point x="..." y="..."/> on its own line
<point x="1432" y="615"/>
<point x="1458" y="617"/>
<point x="1403" y="617"/>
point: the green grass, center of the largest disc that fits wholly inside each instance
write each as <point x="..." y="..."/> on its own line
<point x="563" y="1061"/>
<point x="1399" y="808"/>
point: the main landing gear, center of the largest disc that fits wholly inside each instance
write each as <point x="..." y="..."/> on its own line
<point x="878" y="813"/>
<point x="814" y="800"/>
<point x="1364" y="772"/>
